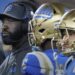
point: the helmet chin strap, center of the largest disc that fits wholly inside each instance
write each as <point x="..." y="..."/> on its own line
<point x="55" y="55"/>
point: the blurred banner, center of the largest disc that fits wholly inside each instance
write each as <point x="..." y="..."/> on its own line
<point x="70" y="3"/>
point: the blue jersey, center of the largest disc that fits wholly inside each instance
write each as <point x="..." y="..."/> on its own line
<point x="31" y="64"/>
<point x="70" y="68"/>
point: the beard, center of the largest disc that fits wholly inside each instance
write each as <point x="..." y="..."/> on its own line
<point x="11" y="38"/>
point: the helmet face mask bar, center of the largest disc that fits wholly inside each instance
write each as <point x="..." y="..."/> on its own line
<point x="31" y="36"/>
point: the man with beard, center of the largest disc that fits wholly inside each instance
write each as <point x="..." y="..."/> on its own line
<point x="15" y="28"/>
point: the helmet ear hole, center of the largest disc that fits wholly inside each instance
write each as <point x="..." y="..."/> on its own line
<point x="41" y="30"/>
<point x="54" y="11"/>
<point x="63" y="32"/>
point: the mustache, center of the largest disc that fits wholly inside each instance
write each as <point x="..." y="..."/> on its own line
<point x="4" y="33"/>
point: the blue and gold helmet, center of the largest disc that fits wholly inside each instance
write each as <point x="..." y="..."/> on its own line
<point x="44" y="24"/>
<point x="67" y="28"/>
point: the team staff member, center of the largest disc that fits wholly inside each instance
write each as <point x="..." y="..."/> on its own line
<point x="15" y="22"/>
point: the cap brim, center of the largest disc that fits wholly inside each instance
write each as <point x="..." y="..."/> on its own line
<point x="2" y="16"/>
